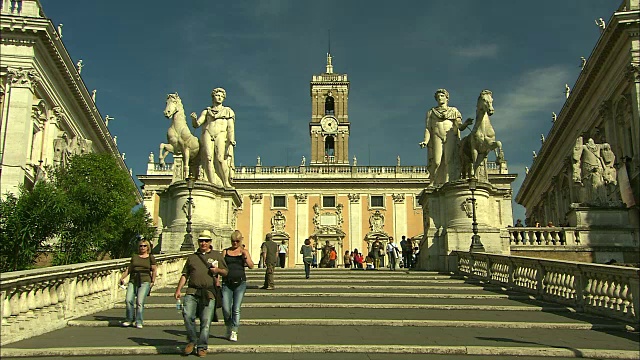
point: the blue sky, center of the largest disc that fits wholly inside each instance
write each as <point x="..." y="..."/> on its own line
<point x="264" y="52"/>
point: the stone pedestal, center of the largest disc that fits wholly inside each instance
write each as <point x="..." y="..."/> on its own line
<point x="610" y="232"/>
<point x="213" y="210"/>
<point x="448" y="214"/>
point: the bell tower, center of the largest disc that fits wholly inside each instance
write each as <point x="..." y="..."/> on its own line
<point x="329" y="126"/>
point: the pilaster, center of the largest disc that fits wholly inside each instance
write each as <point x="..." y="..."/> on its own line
<point x="256" y="220"/>
<point x="17" y="128"/>
<point x="355" y="222"/>
<point x="302" y="224"/>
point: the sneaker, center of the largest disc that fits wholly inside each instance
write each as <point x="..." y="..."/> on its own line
<point x="233" y="336"/>
<point x="270" y="288"/>
<point x="189" y="348"/>
<point x="202" y="352"/>
<point x="126" y="324"/>
<point x="139" y="326"/>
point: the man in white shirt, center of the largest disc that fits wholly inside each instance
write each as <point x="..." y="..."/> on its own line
<point x="392" y="250"/>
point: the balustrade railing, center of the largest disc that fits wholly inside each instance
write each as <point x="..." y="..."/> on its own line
<point x="607" y="290"/>
<point x="544" y="236"/>
<point x="34" y="302"/>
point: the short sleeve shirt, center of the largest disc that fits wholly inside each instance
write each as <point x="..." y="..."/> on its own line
<point x="197" y="272"/>
<point x="141" y="266"/>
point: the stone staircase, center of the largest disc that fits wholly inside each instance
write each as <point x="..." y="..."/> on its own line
<point x="355" y="315"/>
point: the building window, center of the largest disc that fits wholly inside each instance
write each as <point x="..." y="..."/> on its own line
<point x="377" y="201"/>
<point x="279" y="201"/>
<point x="329" y="106"/>
<point x="329" y="201"/>
<point x="329" y="146"/>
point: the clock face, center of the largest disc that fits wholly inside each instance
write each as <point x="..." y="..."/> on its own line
<point x="329" y="124"/>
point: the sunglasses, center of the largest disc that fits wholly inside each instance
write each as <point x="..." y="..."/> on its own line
<point x="142" y="245"/>
<point x="236" y="241"/>
<point x="204" y="240"/>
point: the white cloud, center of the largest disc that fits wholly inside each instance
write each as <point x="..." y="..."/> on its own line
<point x="477" y="51"/>
<point x="535" y="90"/>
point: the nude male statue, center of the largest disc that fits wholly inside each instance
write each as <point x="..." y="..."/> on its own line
<point x="218" y="139"/>
<point x="442" y="138"/>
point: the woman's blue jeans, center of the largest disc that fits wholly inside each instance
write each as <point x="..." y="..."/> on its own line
<point x="140" y="294"/>
<point x="231" y="302"/>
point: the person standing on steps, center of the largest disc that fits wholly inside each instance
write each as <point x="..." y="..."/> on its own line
<point x="234" y="284"/>
<point x="270" y="260"/>
<point x="307" y="257"/>
<point x="282" y="253"/>
<point x="201" y="271"/>
<point x="392" y="250"/>
<point x="143" y="272"/>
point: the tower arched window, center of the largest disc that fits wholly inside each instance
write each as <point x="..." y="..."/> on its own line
<point x="329" y="146"/>
<point x="329" y="106"/>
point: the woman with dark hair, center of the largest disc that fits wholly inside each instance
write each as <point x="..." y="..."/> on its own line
<point x="307" y="256"/>
<point x="143" y="271"/>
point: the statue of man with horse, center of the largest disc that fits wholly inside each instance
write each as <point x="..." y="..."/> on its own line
<point x="214" y="150"/>
<point x="442" y="139"/>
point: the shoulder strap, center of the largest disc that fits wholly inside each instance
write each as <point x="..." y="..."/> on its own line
<point x="201" y="257"/>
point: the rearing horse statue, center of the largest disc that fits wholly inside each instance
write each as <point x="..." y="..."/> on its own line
<point x="179" y="136"/>
<point x="476" y="146"/>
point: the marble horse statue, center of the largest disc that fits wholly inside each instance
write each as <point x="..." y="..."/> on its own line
<point x="482" y="140"/>
<point x="179" y="136"/>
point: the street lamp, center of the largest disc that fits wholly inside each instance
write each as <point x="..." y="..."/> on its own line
<point x="476" y="244"/>
<point x="187" y="244"/>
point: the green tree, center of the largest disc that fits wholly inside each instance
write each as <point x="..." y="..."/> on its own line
<point x="27" y="222"/>
<point x="101" y="199"/>
<point x="137" y="223"/>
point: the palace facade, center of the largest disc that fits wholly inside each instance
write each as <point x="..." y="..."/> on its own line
<point x="46" y="112"/>
<point x="587" y="172"/>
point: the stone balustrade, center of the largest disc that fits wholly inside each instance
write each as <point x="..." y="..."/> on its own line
<point x="607" y="290"/>
<point x="33" y="302"/>
<point x="544" y="236"/>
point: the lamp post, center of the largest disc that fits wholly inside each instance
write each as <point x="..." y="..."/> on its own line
<point x="476" y="244"/>
<point x="187" y="244"/>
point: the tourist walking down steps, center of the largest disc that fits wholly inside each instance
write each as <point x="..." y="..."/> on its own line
<point x="201" y="270"/>
<point x="234" y="284"/>
<point x="307" y="257"/>
<point x="142" y="273"/>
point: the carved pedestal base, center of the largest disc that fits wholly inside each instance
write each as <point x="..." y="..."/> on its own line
<point x="212" y="209"/>
<point x="448" y="222"/>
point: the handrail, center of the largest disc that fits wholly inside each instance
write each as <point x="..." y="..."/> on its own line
<point x="33" y="302"/>
<point x="608" y="290"/>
